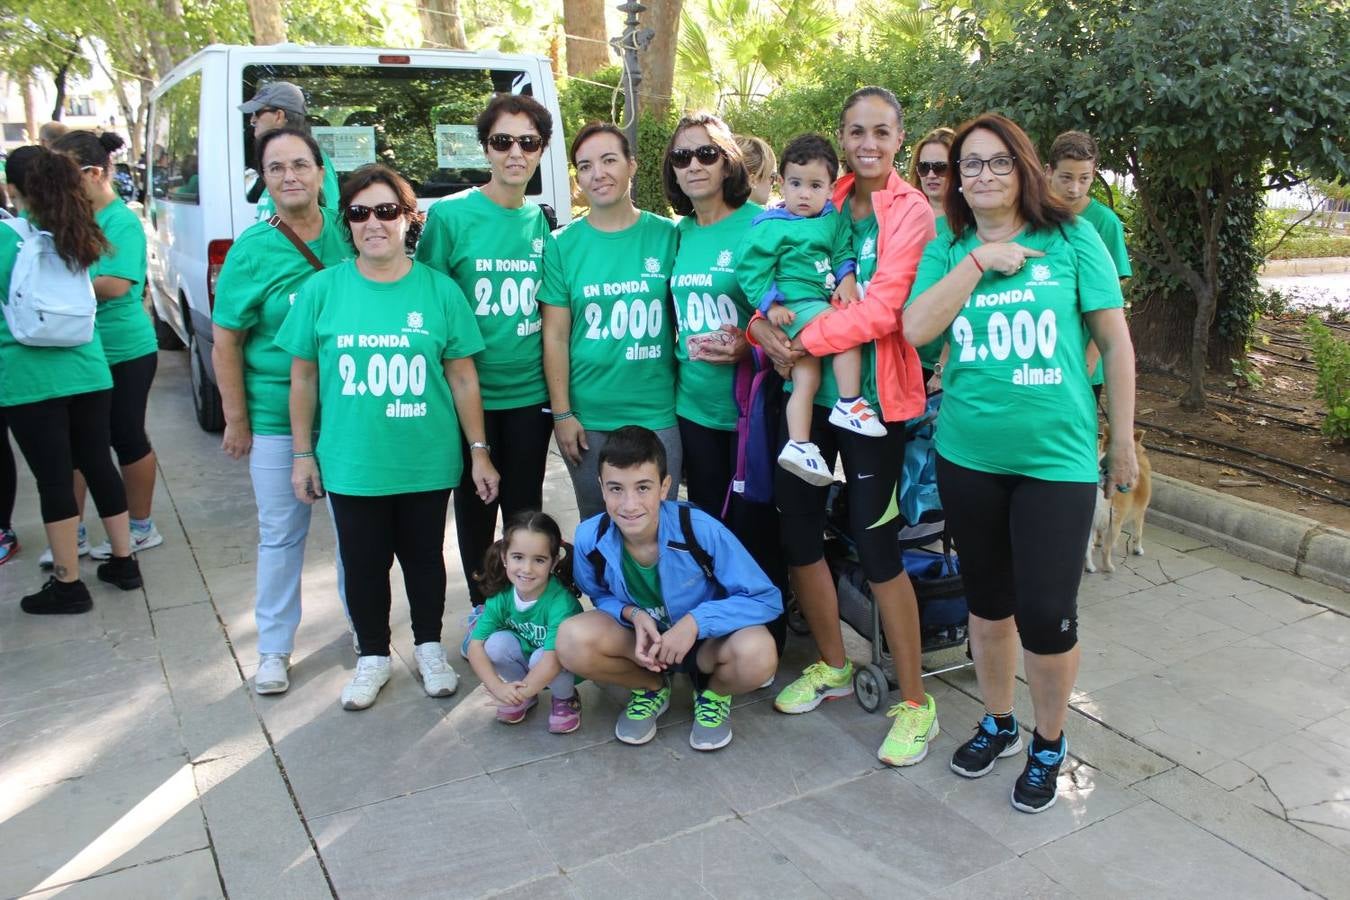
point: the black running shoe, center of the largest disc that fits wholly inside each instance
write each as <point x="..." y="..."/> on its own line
<point x="122" y="571"/>
<point x="1035" y="788"/>
<point x="58" y="598"/>
<point x="977" y="756"/>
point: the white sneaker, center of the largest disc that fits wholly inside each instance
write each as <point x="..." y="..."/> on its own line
<point x="272" y="677"/>
<point x="858" y="417"/>
<point x="140" y="540"/>
<point x="805" y="461"/>
<point x="372" y="673"/>
<point x="438" y="679"/>
<point x="45" y="558"/>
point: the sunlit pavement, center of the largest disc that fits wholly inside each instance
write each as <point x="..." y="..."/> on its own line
<point x="1210" y="744"/>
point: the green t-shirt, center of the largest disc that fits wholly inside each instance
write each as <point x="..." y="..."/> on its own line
<point x="389" y="421"/>
<point x="122" y="322"/>
<point x="1112" y="231"/>
<point x="644" y="586"/>
<point x="29" y="374"/>
<point x="496" y="256"/>
<point x="931" y="352"/>
<point x="706" y="295"/>
<point x="535" y="627"/>
<point x="328" y="199"/>
<point x="262" y="274"/>
<point x="795" y="255"/>
<point x="1017" y="399"/>
<point x="617" y="287"/>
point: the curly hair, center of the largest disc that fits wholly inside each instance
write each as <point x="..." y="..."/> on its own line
<point x="493" y="579"/>
<point x="514" y="104"/>
<point x="53" y="190"/>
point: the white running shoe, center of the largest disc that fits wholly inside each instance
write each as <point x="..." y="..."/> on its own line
<point x="272" y="677"/>
<point x="438" y="679"/>
<point x="858" y="417"/>
<point x="372" y="673"/>
<point x="140" y="540"/>
<point x="45" y="558"/>
<point x="805" y="461"/>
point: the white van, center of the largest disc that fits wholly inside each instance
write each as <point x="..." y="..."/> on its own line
<point x="411" y="109"/>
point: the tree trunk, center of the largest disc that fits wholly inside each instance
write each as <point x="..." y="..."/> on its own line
<point x="171" y="44"/>
<point x="587" y="46"/>
<point x="60" y="79"/>
<point x="29" y="107"/>
<point x="269" y="26"/>
<point x="442" y="25"/>
<point x="658" y="62"/>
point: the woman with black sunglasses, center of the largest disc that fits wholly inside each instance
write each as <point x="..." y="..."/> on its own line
<point x="928" y="167"/>
<point x="490" y="240"/>
<point x="386" y="345"/>
<point x="263" y="272"/>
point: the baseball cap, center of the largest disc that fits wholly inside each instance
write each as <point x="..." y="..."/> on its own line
<point x="276" y="95"/>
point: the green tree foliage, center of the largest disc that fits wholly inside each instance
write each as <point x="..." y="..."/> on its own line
<point x="1203" y="105"/>
<point x="583" y="101"/>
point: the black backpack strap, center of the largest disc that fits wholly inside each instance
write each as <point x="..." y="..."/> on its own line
<point x="700" y="555"/>
<point x="597" y="559"/>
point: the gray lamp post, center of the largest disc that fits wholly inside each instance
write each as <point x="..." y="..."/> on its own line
<point x="627" y="45"/>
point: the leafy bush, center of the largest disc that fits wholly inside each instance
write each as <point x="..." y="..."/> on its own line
<point x="1312" y="243"/>
<point x="1331" y="355"/>
<point x="583" y="103"/>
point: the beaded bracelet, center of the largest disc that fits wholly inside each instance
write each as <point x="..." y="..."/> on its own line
<point x="309" y="455"/>
<point x="562" y="417"/>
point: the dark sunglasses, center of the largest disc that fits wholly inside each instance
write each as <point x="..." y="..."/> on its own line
<point x="708" y="154"/>
<point x="385" y="212"/>
<point x="937" y="168"/>
<point x="529" y="143"/>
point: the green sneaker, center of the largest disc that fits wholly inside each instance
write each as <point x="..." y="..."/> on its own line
<point x="819" y="682"/>
<point x="637" y="723"/>
<point x="914" y="727"/>
<point x="712" y="721"/>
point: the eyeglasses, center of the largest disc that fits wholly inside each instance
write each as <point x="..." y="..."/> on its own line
<point x="708" y="154"/>
<point x="937" y="168"/>
<point x="301" y="167"/>
<point x="502" y="143"/>
<point x="972" y="166"/>
<point x="385" y="212"/>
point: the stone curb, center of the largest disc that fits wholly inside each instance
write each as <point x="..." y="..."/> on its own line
<point x="1283" y="268"/>
<point x="1268" y="536"/>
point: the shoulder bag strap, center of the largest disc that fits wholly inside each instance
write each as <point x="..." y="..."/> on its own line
<point x="294" y="238"/>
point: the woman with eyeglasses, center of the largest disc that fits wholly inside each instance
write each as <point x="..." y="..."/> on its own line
<point x="928" y="167"/>
<point x="1011" y="287"/>
<point x="263" y="272"/>
<point x="385" y="345"/>
<point x="490" y="240"/>
<point x="56" y="400"/>
<point x="892" y="222"/>
<point x="127" y="334"/>
<point x="608" y="349"/>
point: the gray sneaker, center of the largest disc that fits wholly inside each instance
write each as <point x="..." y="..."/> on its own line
<point x="712" y="721"/>
<point x="637" y="723"/>
<point x="272" y="677"/>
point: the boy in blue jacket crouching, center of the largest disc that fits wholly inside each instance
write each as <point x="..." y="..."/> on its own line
<point x="674" y="590"/>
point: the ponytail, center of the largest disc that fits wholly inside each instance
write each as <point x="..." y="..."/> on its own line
<point x="492" y="580"/>
<point x="55" y="196"/>
<point x="90" y="149"/>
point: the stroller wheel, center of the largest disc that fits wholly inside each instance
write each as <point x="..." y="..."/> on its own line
<point x="870" y="687"/>
<point x="795" y="620"/>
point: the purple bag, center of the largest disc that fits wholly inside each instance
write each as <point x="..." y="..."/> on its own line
<point x="759" y="398"/>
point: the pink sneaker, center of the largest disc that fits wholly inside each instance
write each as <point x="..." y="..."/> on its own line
<point x="514" y="715"/>
<point x="565" y="716"/>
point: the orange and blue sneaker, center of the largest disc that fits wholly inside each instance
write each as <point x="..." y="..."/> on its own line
<point x="9" y="545"/>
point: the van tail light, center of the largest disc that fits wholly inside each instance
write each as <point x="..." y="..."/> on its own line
<point x="390" y="59"/>
<point x="215" y="260"/>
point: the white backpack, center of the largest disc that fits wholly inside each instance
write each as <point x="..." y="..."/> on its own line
<point x="49" y="304"/>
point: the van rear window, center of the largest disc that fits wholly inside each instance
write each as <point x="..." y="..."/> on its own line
<point x="418" y="121"/>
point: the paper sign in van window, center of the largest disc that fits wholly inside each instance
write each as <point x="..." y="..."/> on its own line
<point x="457" y="148"/>
<point x="348" y="146"/>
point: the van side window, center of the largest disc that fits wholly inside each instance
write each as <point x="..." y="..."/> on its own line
<point x="173" y="170"/>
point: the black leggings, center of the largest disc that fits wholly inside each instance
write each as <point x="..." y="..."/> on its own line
<point x="130" y="394"/>
<point x="519" y="440"/>
<point x="872" y="468"/>
<point x="60" y="435"/>
<point x="1021" y="542"/>
<point x="371" y="532"/>
<point x="709" y="463"/>
<point x="9" y="476"/>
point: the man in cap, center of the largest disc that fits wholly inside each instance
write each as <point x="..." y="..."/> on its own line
<point x="280" y="104"/>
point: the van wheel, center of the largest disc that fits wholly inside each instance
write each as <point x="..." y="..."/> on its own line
<point x="205" y="396"/>
<point x="165" y="336"/>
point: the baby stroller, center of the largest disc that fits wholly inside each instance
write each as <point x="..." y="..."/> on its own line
<point x="927" y="553"/>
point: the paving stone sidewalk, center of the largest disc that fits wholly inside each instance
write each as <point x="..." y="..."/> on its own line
<point x="1210" y="744"/>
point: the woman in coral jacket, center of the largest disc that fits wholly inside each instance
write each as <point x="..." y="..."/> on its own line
<point x="892" y="221"/>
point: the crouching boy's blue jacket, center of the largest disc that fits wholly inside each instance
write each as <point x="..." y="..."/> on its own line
<point x="746" y="598"/>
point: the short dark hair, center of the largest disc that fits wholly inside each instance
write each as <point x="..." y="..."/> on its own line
<point x="260" y="148"/>
<point x="631" y="446"/>
<point x="1077" y="145"/>
<point x="514" y="104"/>
<point x="1034" y="201"/>
<point x="808" y="148"/>
<point x="735" y="178"/>
<point x="362" y="178"/>
<point x="590" y="130"/>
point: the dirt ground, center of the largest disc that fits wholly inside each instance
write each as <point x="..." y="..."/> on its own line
<point x="1280" y="419"/>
